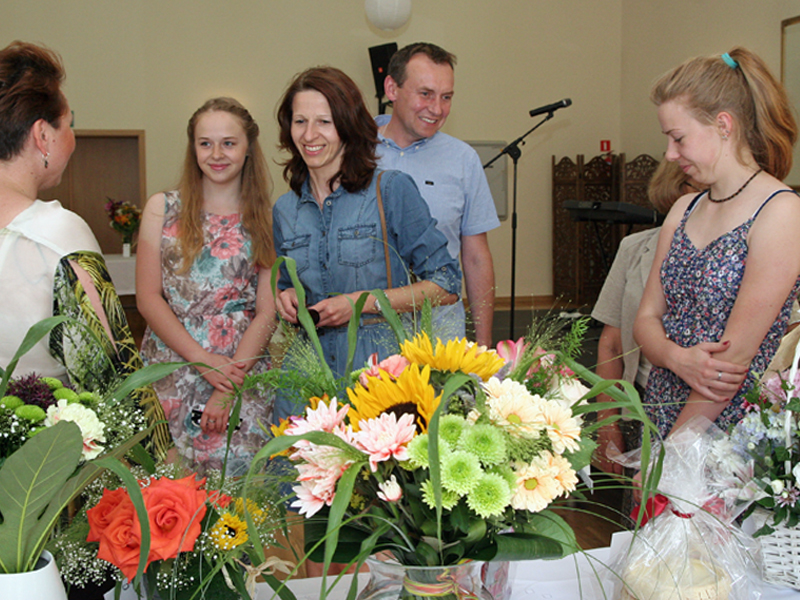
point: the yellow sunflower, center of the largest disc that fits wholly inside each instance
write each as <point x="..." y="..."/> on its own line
<point x="256" y="512"/>
<point x="455" y="355"/>
<point x="411" y="392"/>
<point x="228" y="532"/>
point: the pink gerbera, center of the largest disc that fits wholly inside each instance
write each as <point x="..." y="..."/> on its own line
<point x="310" y="499"/>
<point x="385" y="437"/>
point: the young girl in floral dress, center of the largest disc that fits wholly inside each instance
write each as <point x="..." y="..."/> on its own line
<point x="202" y="284"/>
<point x="727" y="265"/>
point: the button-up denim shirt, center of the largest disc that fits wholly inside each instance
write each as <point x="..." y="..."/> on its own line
<point x="339" y="249"/>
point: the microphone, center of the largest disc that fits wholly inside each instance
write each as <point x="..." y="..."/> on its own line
<point x="551" y="107"/>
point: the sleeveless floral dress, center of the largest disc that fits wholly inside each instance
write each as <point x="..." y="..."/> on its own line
<point x="700" y="288"/>
<point x="215" y="301"/>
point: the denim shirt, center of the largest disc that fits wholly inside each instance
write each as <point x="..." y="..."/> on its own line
<point x="339" y="249"/>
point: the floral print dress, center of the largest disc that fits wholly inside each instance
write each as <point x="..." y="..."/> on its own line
<point x="700" y="289"/>
<point x="215" y="301"/>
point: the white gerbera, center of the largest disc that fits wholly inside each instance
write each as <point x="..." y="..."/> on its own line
<point x="511" y="406"/>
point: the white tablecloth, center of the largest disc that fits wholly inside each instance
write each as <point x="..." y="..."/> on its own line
<point x="576" y="577"/>
<point x="123" y="273"/>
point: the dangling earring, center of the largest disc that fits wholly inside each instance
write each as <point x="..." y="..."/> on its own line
<point x="45" y="156"/>
<point x="725" y="135"/>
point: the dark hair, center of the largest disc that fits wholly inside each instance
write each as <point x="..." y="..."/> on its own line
<point x="749" y="92"/>
<point x="667" y="184"/>
<point x="354" y="125"/>
<point x="30" y="89"/>
<point x="399" y="60"/>
<point x="255" y="206"/>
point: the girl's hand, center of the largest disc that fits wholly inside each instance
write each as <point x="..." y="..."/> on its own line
<point x="714" y="379"/>
<point x="286" y="303"/>
<point x="607" y="435"/>
<point x="216" y="412"/>
<point x="226" y="374"/>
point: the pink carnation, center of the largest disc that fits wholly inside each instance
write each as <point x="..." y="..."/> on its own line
<point x="385" y="437"/>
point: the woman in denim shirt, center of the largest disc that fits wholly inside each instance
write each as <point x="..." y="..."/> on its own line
<point x="330" y="223"/>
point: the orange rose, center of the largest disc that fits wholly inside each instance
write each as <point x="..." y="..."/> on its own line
<point x="120" y="540"/>
<point x="100" y="516"/>
<point x="176" y="509"/>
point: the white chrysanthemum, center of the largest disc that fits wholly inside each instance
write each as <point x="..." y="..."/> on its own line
<point x="511" y="406"/>
<point x="91" y="427"/>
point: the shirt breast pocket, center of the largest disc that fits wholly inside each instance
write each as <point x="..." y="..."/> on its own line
<point x="298" y="249"/>
<point x="358" y="245"/>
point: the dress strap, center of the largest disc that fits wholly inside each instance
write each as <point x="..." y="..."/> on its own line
<point x="693" y="204"/>
<point x="771" y="196"/>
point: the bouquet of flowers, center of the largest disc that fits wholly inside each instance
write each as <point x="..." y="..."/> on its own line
<point x="199" y="542"/>
<point x="125" y="218"/>
<point x="443" y="453"/>
<point x="767" y="439"/>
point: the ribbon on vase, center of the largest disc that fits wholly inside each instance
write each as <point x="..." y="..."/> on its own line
<point x="268" y="567"/>
<point x="654" y="506"/>
<point x="447" y="586"/>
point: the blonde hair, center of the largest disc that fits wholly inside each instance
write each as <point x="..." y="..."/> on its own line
<point x="749" y="92"/>
<point x="667" y="184"/>
<point x="256" y="184"/>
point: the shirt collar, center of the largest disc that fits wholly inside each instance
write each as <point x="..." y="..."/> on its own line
<point x="382" y="120"/>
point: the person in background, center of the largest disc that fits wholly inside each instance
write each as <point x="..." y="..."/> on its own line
<point x="330" y="223"/>
<point x="727" y="266"/>
<point x="50" y="261"/>
<point x="202" y="284"/>
<point x="448" y="173"/>
<point x="618" y="354"/>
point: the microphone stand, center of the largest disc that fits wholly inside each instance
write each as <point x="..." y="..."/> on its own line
<point x="514" y="152"/>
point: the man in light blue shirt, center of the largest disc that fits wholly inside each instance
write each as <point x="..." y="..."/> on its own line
<point x="448" y="172"/>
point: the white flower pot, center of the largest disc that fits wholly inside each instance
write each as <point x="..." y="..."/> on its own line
<point x="126" y="250"/>
<point x="43" y="582"/>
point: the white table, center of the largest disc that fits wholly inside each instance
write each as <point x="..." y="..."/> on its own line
<point x="577" y="577"/>
<point x="123" y="273"/>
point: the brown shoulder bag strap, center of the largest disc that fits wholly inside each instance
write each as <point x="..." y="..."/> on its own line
<point x="383" y="230"/>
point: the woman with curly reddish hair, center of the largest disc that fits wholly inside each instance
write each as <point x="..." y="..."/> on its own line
<point x="330" y="222"/>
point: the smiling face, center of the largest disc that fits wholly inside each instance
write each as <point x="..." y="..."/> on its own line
<point x="421" y="105"/>
<point x="220" y="144"/>
<point x="314" y="134"/>
<point x="695" y="146"/>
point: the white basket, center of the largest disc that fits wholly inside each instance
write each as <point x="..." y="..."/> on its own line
<point x="780" y="550"/>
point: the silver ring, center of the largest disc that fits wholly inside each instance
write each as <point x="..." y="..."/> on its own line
<point x="212" y="420"/>
<point x="719" y="375"/>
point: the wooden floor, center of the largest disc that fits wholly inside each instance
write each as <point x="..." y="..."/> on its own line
<point x="597" y="518"/>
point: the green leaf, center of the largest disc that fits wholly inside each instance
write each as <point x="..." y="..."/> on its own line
<point x="547" y="536"/>
<point x="391" y="315"/>
<point x="144" y="377"/>
<point x="29" y="480"/>
<point x="32" y="337"/>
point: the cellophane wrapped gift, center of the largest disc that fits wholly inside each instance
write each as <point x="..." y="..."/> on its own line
<point x="690" y="548"/>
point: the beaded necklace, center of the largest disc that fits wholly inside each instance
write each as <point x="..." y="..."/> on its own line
<point x="737" y="192"/>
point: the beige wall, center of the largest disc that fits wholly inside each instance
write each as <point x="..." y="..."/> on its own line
<point x="148" y="64"/>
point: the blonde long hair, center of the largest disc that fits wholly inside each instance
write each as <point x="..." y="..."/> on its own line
<point x="749" y="92"/>
<point x="256" y="185"/>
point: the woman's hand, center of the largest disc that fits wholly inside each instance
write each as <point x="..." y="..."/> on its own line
<point x="714" y="379"/>
<point x="223" y="373"/>
<point x="216" y="412"/>
<point x="286" y="303"/>
<point x="335" y="311"/>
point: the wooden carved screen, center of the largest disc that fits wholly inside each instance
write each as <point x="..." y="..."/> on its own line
<point x="583" y="251"/>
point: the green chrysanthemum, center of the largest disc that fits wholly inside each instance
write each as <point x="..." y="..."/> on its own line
<point x="10" y="402"/>
<point x="449" y="499"/>
<point x="89" y="399"/>
<point x="460" y="472"/>
<point x="52" y="383"/>
<point x="30" y="412"/>
<point x="451" y="428"/>
<point x="506" y="472"/>
<point x="67" y="394"/>
<point x="486" y="442"/>
<point x="418" y="451"/>
<point x="525" y="450"/>
<point x="490" y="497"/>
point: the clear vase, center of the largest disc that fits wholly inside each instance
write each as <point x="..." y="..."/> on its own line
<point x="389" y="580"/>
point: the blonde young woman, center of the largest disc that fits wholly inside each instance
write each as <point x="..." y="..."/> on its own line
<point x="727" y="265"/>
<point x="202" y="283"/>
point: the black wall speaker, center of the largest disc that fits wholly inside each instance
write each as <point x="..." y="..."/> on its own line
<point x="380" y="56"/>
